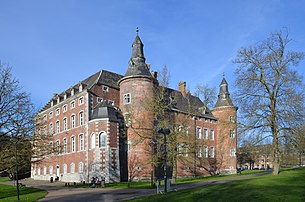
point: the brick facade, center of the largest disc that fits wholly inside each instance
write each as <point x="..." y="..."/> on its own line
<point x="94" y="133"/>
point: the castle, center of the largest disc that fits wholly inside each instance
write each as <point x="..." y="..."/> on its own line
<point x="104" y="127"/>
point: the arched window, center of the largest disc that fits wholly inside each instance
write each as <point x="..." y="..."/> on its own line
<point x="93" y="141"/>
<point x="80" y="167"/>
<point x="65" y="168"/>
<point x="81" y="118"/>
<point x="72" y="167"/>
<point x="81" y="142"/>
<point x="102" y="139"/>
<point x="51" y="170"/>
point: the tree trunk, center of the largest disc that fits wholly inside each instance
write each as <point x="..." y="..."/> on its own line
<point x="276" y="157"/>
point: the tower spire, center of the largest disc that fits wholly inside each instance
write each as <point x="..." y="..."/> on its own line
<point x="224" y="95"/>
<point x="137" y="65"/>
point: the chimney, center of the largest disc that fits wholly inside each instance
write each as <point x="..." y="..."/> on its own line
<point x="182" y="88"/>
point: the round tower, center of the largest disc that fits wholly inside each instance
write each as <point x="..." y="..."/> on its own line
<point x="136" y="92"/>
<point x="226" y="141"/>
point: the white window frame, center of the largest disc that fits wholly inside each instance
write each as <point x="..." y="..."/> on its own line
<point x="65" y="108"/>
<point x="105" y="88"/>
<point x="81" y="100"/>
<point x="212" y="134"/>
<point x="72" y="144"/>
<point x="64" y="167"/>
<point x="65" y="124"/>
<point x="199" y="132"/>
<point x="212" y="152"/>
<point x="72" y="168"/>
<point x="102" y="139"/>
<point x="81" y="142"/>
<point x="51" y="170"/>
<point x="72" y="121"/>
<point x="92" y="146"/>
<point x="50" y="114"/>
<point x="233" y="152"/>
<point x="205" y="133"/>
<point x="126" y="98"/>
<point x="81" y="118"/>
<point x="205" y="151"/>
<point x="232" y="134"/>
<point x="57" y="111"/>
<point x="57" y="146"/>
<point x="80" y="167"/>
<point x="57" y="126"/>
<point x="65" y="145"/>
<point x="72" y="104"/>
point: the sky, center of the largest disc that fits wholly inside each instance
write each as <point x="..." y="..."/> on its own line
<point x="53" y="44"/>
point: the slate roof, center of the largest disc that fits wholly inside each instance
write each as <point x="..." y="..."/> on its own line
<point x="102" y="77"/>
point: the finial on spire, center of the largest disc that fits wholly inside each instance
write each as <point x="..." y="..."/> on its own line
<point x="137" y="30"/>
<point x="223" y="75"/>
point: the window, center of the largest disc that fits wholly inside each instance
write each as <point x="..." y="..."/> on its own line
<point x="93" y="168"/>
<point x="110" y="102"/>
<point x="64" y="108"/>
<point x="212" y="152"/>
<point x="65" y="124"/>
<point x="80" y="167"/>
<point x="232" y="152"/>
<point x="205" y="151"/>
<point x="39" y="171"/>
<point x="127" y="118"/>
<point x="72" y="121"/>
<point x="212" y="135"/>
<point x="205" y="134"/>
<point x="127" y="98"/>
<point x="57" y="127"/>
<point x="232" y="133"/>
<point x="65" y="145"/>
<point x="80" y="100"/>
<point x="99" y="99"/>
<point x="198" y="132"/>
<point x="72" y="104"/>
<point x="199" y="151"/>
<point x="51" y="114"/>
<point x="93" y="141"/>
<point x="51" y="147"/>
<point x="231" y="119"/>
<point x="57" y="111"/>
<point x="44" y="170"/>
<point x="57" y="147"/>
<point x="51" y="170"/>
<point x="45" y="117"/>
<point x="72" y="144"/>
<point x="64" y="167"/>
<point x="102" y="139"/>
<point x="81" y="118"/>
<point x="105" y="88"/>
<point x="51" y="128"/>
<point x="72" y="167"/>
<point x="81" y="142"/>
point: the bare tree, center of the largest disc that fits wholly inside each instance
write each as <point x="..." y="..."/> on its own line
<point x="270" y="93"/>
<point x="207" y="94"/>
<point x="16" y="123"/>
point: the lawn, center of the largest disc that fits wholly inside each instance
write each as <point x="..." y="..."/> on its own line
<point x="289" y="185"/>
<point x="8" y="193"/>
<point x="4" y="179"/>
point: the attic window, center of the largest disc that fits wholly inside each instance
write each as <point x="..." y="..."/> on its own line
<point x="80" y="87"/>
<point x="105" y="88"/>
<point x="99" y="99"/>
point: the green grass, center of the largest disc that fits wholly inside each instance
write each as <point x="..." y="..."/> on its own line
<point x="9" y="193"/>
<point x="289" y="185"/>
<point x="4" y="179"/>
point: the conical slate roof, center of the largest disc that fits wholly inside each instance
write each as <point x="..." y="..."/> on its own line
<point x="224" y="99"/>
<point x="137" y="65"/>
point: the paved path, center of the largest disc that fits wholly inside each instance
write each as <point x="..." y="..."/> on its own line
<point x="59" y="193"/>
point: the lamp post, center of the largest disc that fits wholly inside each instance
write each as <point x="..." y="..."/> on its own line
<point x="164" y="132"/>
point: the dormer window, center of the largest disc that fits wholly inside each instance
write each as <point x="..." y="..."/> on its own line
<point x="80" y="87"/>
<point x="65" y="96"/>
<point x="58" y="99"/>
<point x="72" y="91"/>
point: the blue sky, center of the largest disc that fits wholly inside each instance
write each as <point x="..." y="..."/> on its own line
<point x="53" y="44"/>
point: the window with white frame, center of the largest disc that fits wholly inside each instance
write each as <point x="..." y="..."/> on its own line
<point x="199" y="132"/>
<point x="93" y="141"/>
<point x="44" y="170"/>
<point x="212" y="135"/>
<point x="127" y="118"/>
<point x="72" y="121"/>
<point x="65" y="124"/>
<point x="57" y="146"/>
<point x="81" y="167"/>
<point x="127" y="98"/>
<point x="64" y="108"/>
<point x="81" y="100"/>
<point x="199" y="151"/>
<point x="57" y="111"/>
<point x="205" y="134"/>
<point x="72" y="167"/>
<point x="81" y="142"/>
<point x="44" y="117"/>
<point x="72" y="144"/>
<point x="57" y="126"/>
<point x="51" y="147"/>
<point x="99" y="99"/>
<point x="102" y="139"/>
<point x="205" y="151"/>
<point x="65" y="145"/>
<point x="232" y="134"/>
<point x="232" y="152"/>
<point x="105" y="88"/>
<point x="93" y="168"/>
<point x="38" y="173"/>
<point x="72" y="104"/>
<point x="51" y="114"/>
<point x="212" y="152"/>
<point x="231" y="119"/>
<point x="81" y="118"/>
<point x="51" y="128"/>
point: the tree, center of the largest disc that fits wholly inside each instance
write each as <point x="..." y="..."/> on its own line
<point x="207" y="94"/>
<point x="269" y="91"/>
<point x="16" y="123"/>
